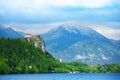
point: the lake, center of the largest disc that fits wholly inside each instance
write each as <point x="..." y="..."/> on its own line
<point x="62" y="76"/>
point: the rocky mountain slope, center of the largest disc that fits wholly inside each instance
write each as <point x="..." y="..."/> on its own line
<point x="76" y="43"/>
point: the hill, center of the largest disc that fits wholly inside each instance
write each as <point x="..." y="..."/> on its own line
<point x="20" y="56"/>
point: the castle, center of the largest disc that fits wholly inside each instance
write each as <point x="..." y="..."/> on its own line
<point x="36" y="40"/>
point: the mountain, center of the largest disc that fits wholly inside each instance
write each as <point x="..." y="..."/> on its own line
<point x="77" y="43"/>
<point x="9" y="32"/>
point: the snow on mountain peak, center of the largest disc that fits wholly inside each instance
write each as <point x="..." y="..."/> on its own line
<point x="75" y="28"/>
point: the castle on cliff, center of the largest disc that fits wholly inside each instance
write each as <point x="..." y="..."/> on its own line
<point x="36" y="40"/>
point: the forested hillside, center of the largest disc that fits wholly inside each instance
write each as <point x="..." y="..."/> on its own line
<point x="20" y="56"/>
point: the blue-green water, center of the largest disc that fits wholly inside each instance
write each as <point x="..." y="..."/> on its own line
<point x="80" y="76"/>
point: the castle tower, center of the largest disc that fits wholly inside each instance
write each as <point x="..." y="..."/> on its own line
<point x="28" y="37"/>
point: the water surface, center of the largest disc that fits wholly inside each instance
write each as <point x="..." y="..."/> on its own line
<point x="62" y="76"/>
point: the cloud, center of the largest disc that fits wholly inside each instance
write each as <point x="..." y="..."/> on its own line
<point x="39" y="4"/>
<point x="91" y="3"/>
<point x="38" y="16"/>
<point x="47" y="11"/>
<point x="109" y="32"/>
<point x="33" y="28"/>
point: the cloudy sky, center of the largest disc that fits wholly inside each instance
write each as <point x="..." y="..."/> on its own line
<point x="39" y="16"/>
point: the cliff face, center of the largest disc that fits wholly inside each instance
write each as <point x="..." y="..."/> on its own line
<point x="36" y="40"/>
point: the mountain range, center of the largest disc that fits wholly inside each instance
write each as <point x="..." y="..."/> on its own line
<point x="70" y="43"/>
<point x="10" y="32"/>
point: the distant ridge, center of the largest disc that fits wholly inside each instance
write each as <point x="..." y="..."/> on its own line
<point x="9" y="32"/>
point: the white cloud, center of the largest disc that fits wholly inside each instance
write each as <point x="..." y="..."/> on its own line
<point x="34" y="9"/>
<point x="39" y="4"/>
<point x="109" y="29"/>
<point x="109" y="32"/>
<point x="49" y="9"/>
<point x="33" y="28"/>
<point x="93" y="3"/>
<point x="81" y="3"/>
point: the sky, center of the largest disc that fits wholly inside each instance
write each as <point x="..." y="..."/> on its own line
<point x="39" y="16"/>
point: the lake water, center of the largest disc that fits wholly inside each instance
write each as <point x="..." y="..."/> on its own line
<point x="80" y="76"/>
